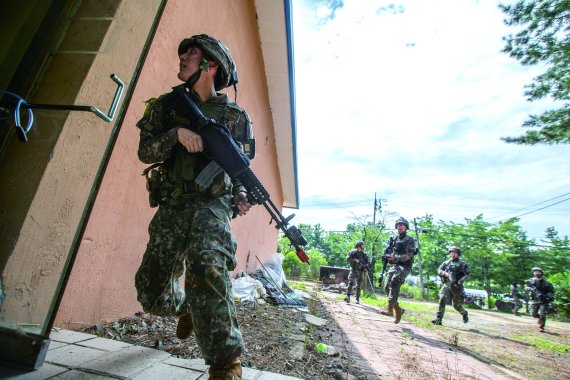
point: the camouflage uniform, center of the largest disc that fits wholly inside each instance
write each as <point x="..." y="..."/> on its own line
<point x="190" y="231"/>
<point x="403" y="252"/>
<point x="541" y="294"/>
<point x="453" y="286"/>
<point x="515" y="294"/>
<point x="357" y="270"/>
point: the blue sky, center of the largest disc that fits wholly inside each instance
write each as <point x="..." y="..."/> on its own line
<point x="409" y="100"/>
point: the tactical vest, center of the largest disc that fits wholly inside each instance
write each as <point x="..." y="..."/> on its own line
<point x="178" y="172"/>
<point x="456" y="268"/>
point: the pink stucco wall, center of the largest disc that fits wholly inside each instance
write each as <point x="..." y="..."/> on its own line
<point x="101" y="285"/>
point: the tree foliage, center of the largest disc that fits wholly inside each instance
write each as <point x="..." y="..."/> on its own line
<point x="544" y="38"/>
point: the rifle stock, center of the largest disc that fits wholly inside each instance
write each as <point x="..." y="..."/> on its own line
<point x="220" y="144"/>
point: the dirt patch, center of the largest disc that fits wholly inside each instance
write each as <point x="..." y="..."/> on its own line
<point x="277" y="339"/>
<point x="514" y="343"/>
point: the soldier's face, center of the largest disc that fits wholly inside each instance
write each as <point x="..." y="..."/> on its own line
<point x="454" y="255"/>
<point x="189" y="62"/>
<point x="401" y="227"/>
<point x="537" y="274"/>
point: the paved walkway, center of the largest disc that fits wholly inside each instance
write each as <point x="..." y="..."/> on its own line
<point x="74" y="355"/>
<point x="405" y="351"/>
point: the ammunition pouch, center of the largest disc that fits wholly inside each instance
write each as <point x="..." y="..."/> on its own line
<point x="160" y="190"/>
<point x="153" y="184"/>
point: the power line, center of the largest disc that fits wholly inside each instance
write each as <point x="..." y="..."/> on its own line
<point x="536" y="204"/>
<point x="542" y="208"/>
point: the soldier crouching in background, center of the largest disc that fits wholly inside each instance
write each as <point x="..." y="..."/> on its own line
<point x="454" y="273"/>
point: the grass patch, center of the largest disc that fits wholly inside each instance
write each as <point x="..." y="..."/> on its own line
<point x="299" y="285"/>
<point x="543" y="344"/>
<point x="419" y="314"/>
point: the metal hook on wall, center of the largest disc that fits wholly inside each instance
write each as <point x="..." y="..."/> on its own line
<point x="22" y="132"/>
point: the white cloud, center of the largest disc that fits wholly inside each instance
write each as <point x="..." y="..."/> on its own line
<point x="411" y="105"/>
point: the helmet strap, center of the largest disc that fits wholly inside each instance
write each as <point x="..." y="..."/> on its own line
<point x="196" y="76"/>
<point x="193" y="79"/>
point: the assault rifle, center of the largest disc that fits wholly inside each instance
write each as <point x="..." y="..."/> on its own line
<point x="451" y="279"/>
<point x="220" y="144"/>
<point x="387" y="252"/>
<point x="538" y="294"/>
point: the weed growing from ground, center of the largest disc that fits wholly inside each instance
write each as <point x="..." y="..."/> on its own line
<point x="543" y="344"/>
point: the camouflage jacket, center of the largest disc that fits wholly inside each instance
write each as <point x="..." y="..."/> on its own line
<point x="159" y="141"/>
<point x="515" y="291"/>
<point x="541" y="291"/>
<point x="403" y="250"/>
<point x="361" y="256"/>
<point x="458" y="272"/>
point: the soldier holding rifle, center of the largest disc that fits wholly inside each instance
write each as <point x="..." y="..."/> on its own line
<point x="400" y="255"/>
<point x="358" y="260"/>
<point x="453" y="272"/>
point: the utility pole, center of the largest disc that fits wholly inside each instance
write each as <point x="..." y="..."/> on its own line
<point x="375" y="208"/>
<point x="419" y="259"/>
<point x="486" y="282"/>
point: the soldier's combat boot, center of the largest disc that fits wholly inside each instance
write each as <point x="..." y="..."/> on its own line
<point x="399" y="312"/>
<point x="358" y="301"/>
<point x="465" y="318"/>
<point x="540" y="326"/>
<point x="347" y="298"/>
<point x="184" y="328"/>
<point x="230" y="371"/>
<point x="437" y="321"/>
<point x="516" y="312"/>
<point x="389" y="311"/>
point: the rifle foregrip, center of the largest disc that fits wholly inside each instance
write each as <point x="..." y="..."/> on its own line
<point x="256" y="192"/>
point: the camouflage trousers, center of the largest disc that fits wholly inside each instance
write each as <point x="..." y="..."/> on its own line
<point x="517" y="301"/>
<point x="453" y="293"/>
<point x="195" y="240"/>
<point x="396" y="277"/>
<point x="355" y="277"/>
<point x="538" y="310"/>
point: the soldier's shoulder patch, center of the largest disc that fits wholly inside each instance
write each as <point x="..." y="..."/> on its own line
<point x="149" y="104"/>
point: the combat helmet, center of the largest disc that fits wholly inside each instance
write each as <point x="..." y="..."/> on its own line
<point x="402" y="221"/>
<point x="454" y="248"/>
<point x="217" y="51"/>
<point x="359" y="243"/>
<point x="537" y="269"/>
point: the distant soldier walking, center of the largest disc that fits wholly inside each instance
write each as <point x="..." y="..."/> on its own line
<point x="453" y="272"/>
<point x="400" y="254"/>
<point x="358" y="260"/>
<point x="515" y="294"/>
<point x="541" y="294"/>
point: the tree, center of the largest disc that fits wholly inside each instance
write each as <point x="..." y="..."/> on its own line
<point x="545" y="38"/>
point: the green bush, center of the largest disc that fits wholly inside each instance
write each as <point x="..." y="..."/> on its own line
<point x="410" y="291"/>
<point x="432" y="290"/>
<point x="294" y="268"/>
<point x="492" y="301"/>
<point x="561" y="283"/>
